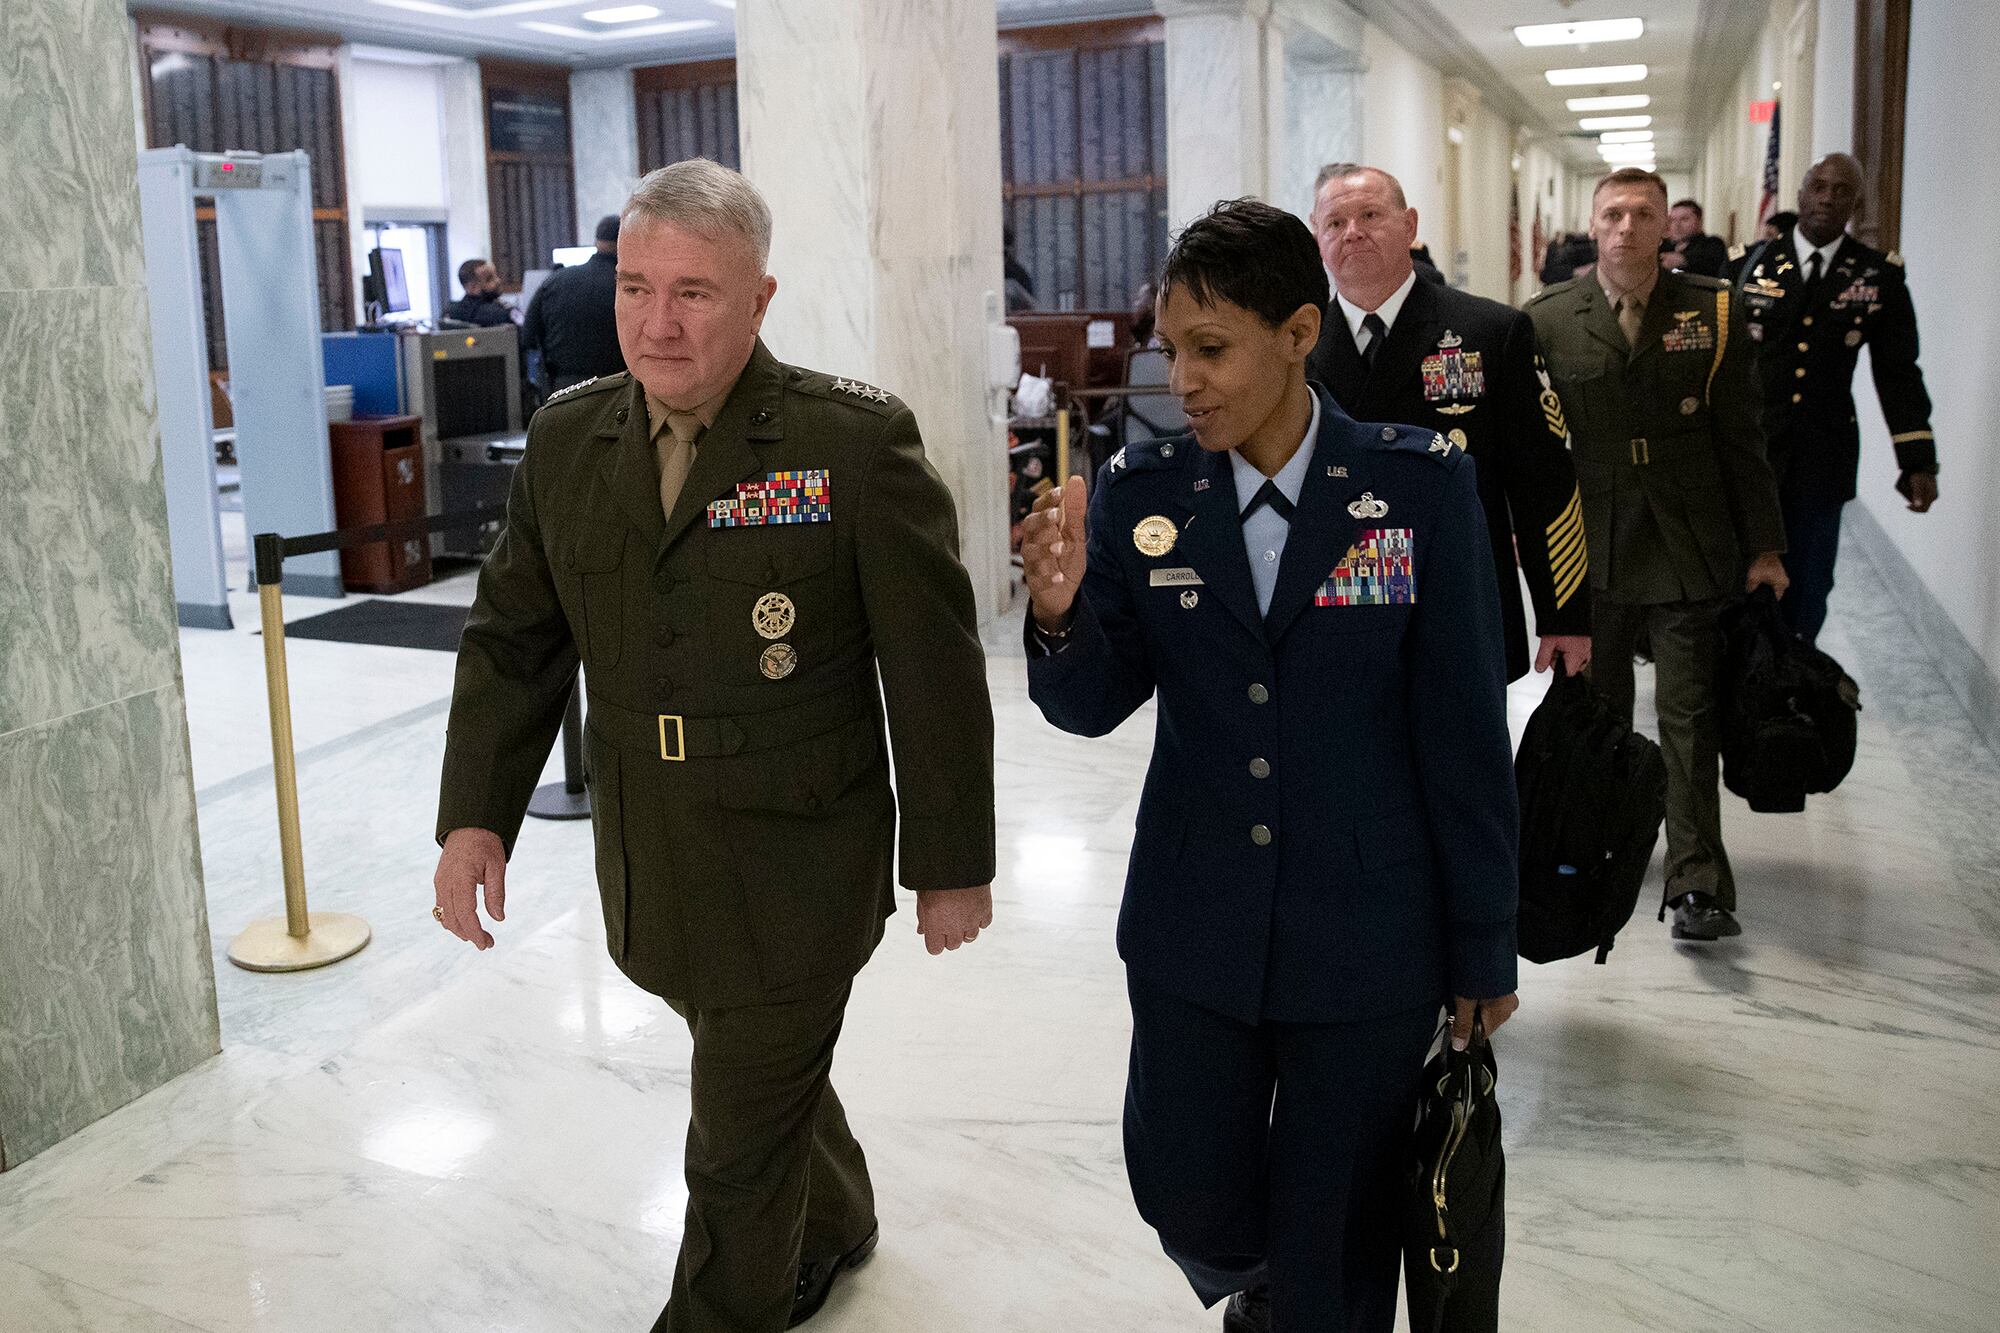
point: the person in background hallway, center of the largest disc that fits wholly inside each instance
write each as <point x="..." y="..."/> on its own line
<point x="1774" y="226"/>
<point x="1020" y="283"/>
<point x="1690" y="249"/>
<point x="1569" y="255"/>
<point x="1814" y="297"/>
<point x="739" y="672"/>
<point x="1395" y="348"/>
<point x="1657" y="378"/>
<point x="1424" y="267"/>
<point x="1326" y="839"/>
<point x="571" y="319"/>
<point x="481" y="303"/>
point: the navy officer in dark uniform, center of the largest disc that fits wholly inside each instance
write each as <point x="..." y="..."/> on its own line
<point x="1813" y="297"/>
<point x="1325" y="849"/>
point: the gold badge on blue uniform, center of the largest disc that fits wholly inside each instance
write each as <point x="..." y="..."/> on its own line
<point x="1155" y="536"/>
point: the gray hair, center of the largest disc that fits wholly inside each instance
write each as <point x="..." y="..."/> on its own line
<point x="1340" y="170"/>
<point x="707" y="198"/>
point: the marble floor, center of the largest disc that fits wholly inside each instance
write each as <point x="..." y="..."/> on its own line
<point x="1796" y="1131"/>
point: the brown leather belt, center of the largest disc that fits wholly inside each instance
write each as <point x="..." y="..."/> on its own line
<point x="677" y="738"/>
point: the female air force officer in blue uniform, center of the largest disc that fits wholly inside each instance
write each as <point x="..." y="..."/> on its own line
<point x="1325" y="849"/>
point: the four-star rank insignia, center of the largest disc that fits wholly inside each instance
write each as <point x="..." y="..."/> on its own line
<point x="1453" y="372"/>
<point x="860" y="390"/>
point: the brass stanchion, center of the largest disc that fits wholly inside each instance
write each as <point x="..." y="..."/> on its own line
<point x="1062" y="443"/>
<point x="299" y="940"/>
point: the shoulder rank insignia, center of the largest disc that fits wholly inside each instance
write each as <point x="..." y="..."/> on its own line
<point x="572" y="388"/>
<point x="860" y="390"/>
<point x="1370" y="507"/>
<point x="1118" y="463"/>
<point x="1441" y="445"/>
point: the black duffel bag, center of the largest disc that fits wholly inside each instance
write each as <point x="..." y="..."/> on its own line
<point x="1787" y="710"/>
<point x="1593" y="794"/>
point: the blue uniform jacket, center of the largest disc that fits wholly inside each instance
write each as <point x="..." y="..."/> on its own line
<point x="1371" y="867"/>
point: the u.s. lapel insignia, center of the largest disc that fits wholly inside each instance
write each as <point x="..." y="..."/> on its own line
<point x="1335" y="470"/>
<point x="1201" y="485"/>
<point x="1155" y="536"/>
<point x="1368" y="506"/>
<point x="773" y="616"/>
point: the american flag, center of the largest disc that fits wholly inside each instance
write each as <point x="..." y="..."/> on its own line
<point x="1770" y="170"/>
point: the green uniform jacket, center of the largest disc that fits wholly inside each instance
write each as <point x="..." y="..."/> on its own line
<point x="738" y="767"/>
<point x="1677" y="494"/>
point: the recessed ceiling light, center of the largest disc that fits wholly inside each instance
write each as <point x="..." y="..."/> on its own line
<point x="1614" y="122"/>
<point x="621" y="14"/>
<point x="1564" y="78"/>
<point x="665" y="29"/>
<point x="1626" y="153"/>
<point x="1626" y="136"/>
<point x="1616" y="102"/>
<point x="1576" y="34"/>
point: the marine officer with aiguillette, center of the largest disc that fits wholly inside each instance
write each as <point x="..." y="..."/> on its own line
<point x="736" y="550"/>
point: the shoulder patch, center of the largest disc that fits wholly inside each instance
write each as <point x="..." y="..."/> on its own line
<point x="584" y="388"/>
<point x="840" y="389"/>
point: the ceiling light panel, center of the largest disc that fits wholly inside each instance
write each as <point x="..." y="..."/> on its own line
<point x="1615" y="102"/>
<point x="621" y="14"/>
<point x="1614" y="122"/>
<point x="1569" y="78"/>
<point x="1626" y="136"/>
<point x="1578" y="34"/>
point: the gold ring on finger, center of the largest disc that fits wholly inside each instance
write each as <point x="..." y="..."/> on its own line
<point x="437" y="913"/>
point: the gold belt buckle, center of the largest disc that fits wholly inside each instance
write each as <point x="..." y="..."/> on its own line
<point x="1642" y="453"/>
<point x="680" y="753"/>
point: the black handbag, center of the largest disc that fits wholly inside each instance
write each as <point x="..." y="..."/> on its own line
<point x="1455" y="1220"/>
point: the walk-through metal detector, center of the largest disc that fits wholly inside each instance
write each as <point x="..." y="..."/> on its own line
<point x="270" y="302"/>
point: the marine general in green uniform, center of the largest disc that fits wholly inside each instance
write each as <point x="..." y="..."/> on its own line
<point x="750" y="560"/>
<point x="1680" y="508"/>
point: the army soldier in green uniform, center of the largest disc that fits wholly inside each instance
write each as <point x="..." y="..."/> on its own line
<point x="1656" y="376"/>
<point x="734" y="549"/>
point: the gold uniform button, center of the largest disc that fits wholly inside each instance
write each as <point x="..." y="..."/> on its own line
<point x="1800" y="372"/>
<point x="1798" y="397"/>
<point x="1260" y="834"/>
<point x="1260" y="768"/>
<point x="1258" y="694"/>
<point x="1805" y="347"/>
<point x="1807" y="321"/>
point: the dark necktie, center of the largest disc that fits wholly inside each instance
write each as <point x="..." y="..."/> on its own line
<point x="1812" y="273"/>
<point x="1372" y="325"/>
<point x="1269" y="494"/>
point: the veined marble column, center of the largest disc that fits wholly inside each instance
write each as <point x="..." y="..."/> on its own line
<point x="1218" y="103"/>
<point x="468" y="228"/>
<point x="604" y="144"/>
<point x="873" y="128"/>
<point x="1319" y="92"/>
<point x="107" y="988"/>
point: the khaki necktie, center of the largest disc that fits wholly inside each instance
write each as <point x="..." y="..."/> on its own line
<point x="677" y="450"/>
<point x="1630" y="312"/>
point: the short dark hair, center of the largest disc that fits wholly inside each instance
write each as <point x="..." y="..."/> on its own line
<point x="1249" y="254"/>
<point x="1629" y="176"/>
<point x="1784" y="220"/>
<point x="607" y="227"/>
<point x="1689" y="203"/>
<point x="468" y="271"/>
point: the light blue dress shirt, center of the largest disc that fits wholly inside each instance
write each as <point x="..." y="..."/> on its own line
<point x="1264" y="532"/>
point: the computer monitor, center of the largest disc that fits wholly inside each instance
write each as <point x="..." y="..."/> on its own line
<point x="569" y="256"/>
<point x="385" y="272"/>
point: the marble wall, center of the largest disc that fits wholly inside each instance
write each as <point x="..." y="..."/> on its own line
<point x="872" y="127"/>
<point x="604" y="144"/>
<point x="1218" y="94"/>
<point x="106" y="988"/>
<point x="467" y="227"/>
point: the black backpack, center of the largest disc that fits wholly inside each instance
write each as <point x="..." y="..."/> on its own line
<point x="1788" y="710"/>
<point x="1593" y="796"/>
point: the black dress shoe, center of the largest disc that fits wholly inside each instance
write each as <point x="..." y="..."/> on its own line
<point x="816" y="1278"/>
<point x="1248" y="1312"/>
<point x="1697" y="916"/>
